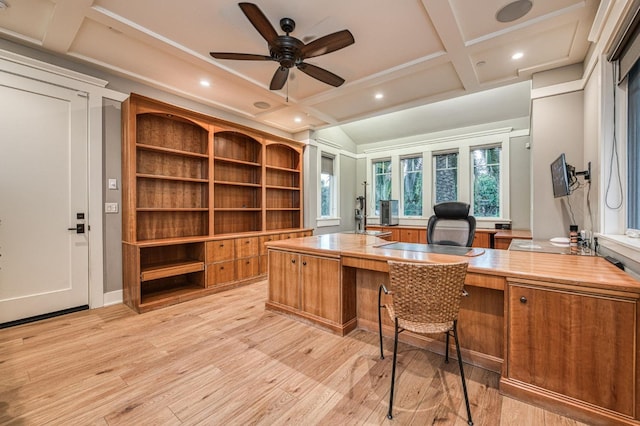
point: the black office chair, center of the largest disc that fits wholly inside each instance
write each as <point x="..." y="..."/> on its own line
<point x="425" y="299"/>
<point x="451" y="225"/>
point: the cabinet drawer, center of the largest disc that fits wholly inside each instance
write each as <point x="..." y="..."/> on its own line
<point x="219" y="273"/>
<point x="218" y="251"/>
<point x="289" y="235"/>
<point x="482" y="239"/>
<point x="265" y="239"/>
<point x="413" y="236"/>
<point x="248" y="267"/>
<point x="502" y="243"/>
<point x="246" y="247"/>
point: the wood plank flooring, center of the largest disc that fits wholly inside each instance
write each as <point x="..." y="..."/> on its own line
<point x="223" y="359"/>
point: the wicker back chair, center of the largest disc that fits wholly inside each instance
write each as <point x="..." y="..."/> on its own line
<point x="425" y="299"/>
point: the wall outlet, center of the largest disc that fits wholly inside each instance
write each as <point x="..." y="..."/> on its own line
<point x="111" y="207"/>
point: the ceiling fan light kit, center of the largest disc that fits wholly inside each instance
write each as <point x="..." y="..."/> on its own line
<point x="289" y="51"/>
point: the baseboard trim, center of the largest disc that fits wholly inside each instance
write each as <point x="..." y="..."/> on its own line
<point x="112" y="298"/>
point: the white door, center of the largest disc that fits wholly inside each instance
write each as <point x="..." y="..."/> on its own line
<point x="43" y="190"/>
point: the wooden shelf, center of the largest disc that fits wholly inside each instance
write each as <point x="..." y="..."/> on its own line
<point x="175" y="178"/>
<point x="284" y="169"/>
<point x="189" y="179"/>
<point x="163" y="270"/>
<point x="234" y="161"/>
<point x="171" y="151"/>
<point x="287" y="188"/>
<point x="161" y="209"/>
<point x="254" y="185"/>
<point x="155" y="299"/>
<point x="237" y="209"/>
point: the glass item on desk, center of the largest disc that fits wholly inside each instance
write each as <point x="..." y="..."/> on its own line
<point x="573" y="239"/>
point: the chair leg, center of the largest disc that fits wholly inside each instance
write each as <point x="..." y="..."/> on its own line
<point x="380" y="321"/>
<point x="393" y="369"/>
<point x="464" y="382"/>
<point x="446" y="349"/>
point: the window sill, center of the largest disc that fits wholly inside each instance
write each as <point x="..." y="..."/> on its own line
<point x="322" y="222"/>
<point x="622" y="244"/>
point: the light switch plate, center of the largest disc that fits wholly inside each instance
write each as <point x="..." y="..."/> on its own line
<point x="111" y="207"/>
<point x="113" y="183"/>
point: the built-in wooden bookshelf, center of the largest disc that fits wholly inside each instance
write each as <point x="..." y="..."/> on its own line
<point x="191" y="184"/>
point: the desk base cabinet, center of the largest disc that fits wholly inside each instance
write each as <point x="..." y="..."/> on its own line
<point x="312" y="288"/>
<point x="572" y="346"/>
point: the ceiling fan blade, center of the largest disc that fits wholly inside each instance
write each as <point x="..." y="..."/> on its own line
<point x="259" y="21"/>
<point x="327" y="44"/>
<point x="240" y="56"/>
<point x="279" y="78"/>
<point x="321" y="74"/>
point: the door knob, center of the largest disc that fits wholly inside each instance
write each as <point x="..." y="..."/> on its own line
<point x="79" y="228"/>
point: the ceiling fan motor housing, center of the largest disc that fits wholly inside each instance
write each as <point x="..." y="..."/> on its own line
<point x="287" y="51"/>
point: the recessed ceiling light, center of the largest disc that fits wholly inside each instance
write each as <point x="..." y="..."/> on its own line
<point x="514" y="11"/>
<point x="205" y="83"/>
<point x="261" y="105"/>
<point x="298" y="120"/>
<point x="379" y="96"/>
<point x="517" y="55"/>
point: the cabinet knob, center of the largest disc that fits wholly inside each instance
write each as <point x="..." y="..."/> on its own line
<point x="221" y="245"/>
<point x="221" y="268"/>
<point x="304" y="263"/>
<point x="293" y="261"/>
<point x="523" y="299"/>
<point x="247" y="242"/>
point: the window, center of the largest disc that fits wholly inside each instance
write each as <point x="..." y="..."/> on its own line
<point x="381" y="183"/>
<point x="412" y="186"/>
<point x="486" y="182"/>
<point x="327" y="187"/>
<point x="633" y="149"/>
<point x="445" y="183"/>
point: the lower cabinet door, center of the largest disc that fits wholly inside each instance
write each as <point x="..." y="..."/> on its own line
<point x="320" y="282"/>
<point x="578" y="345"/>
<point x="284" y="278"/>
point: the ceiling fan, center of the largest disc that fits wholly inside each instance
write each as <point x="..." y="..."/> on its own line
<point x="288" y="51"/>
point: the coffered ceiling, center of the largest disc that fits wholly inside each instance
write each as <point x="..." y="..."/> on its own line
<point x="413" y="52"/>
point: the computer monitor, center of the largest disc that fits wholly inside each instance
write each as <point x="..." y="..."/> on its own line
<point x="560" y="177"/>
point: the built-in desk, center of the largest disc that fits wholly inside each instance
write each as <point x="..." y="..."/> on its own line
<point x="561" y="330"/>
<point x="546" y="246"/>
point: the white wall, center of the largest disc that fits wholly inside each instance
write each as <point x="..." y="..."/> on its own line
<point x="557" y="126"/>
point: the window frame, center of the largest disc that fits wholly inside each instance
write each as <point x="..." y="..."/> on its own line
<point x="334" y="218"/>
<point x="373" y="208"/>
<point x="402" y="186"/>
<point x="435" y="170"/>
<point x="472" y="183"/>
<point x="428" y="148"/>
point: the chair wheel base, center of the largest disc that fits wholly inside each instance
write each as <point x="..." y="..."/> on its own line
<point x="389" y="416"/>
<point x="470" y="423"/>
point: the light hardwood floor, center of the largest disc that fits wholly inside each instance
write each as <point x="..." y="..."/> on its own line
<point x="223" y="359"/>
